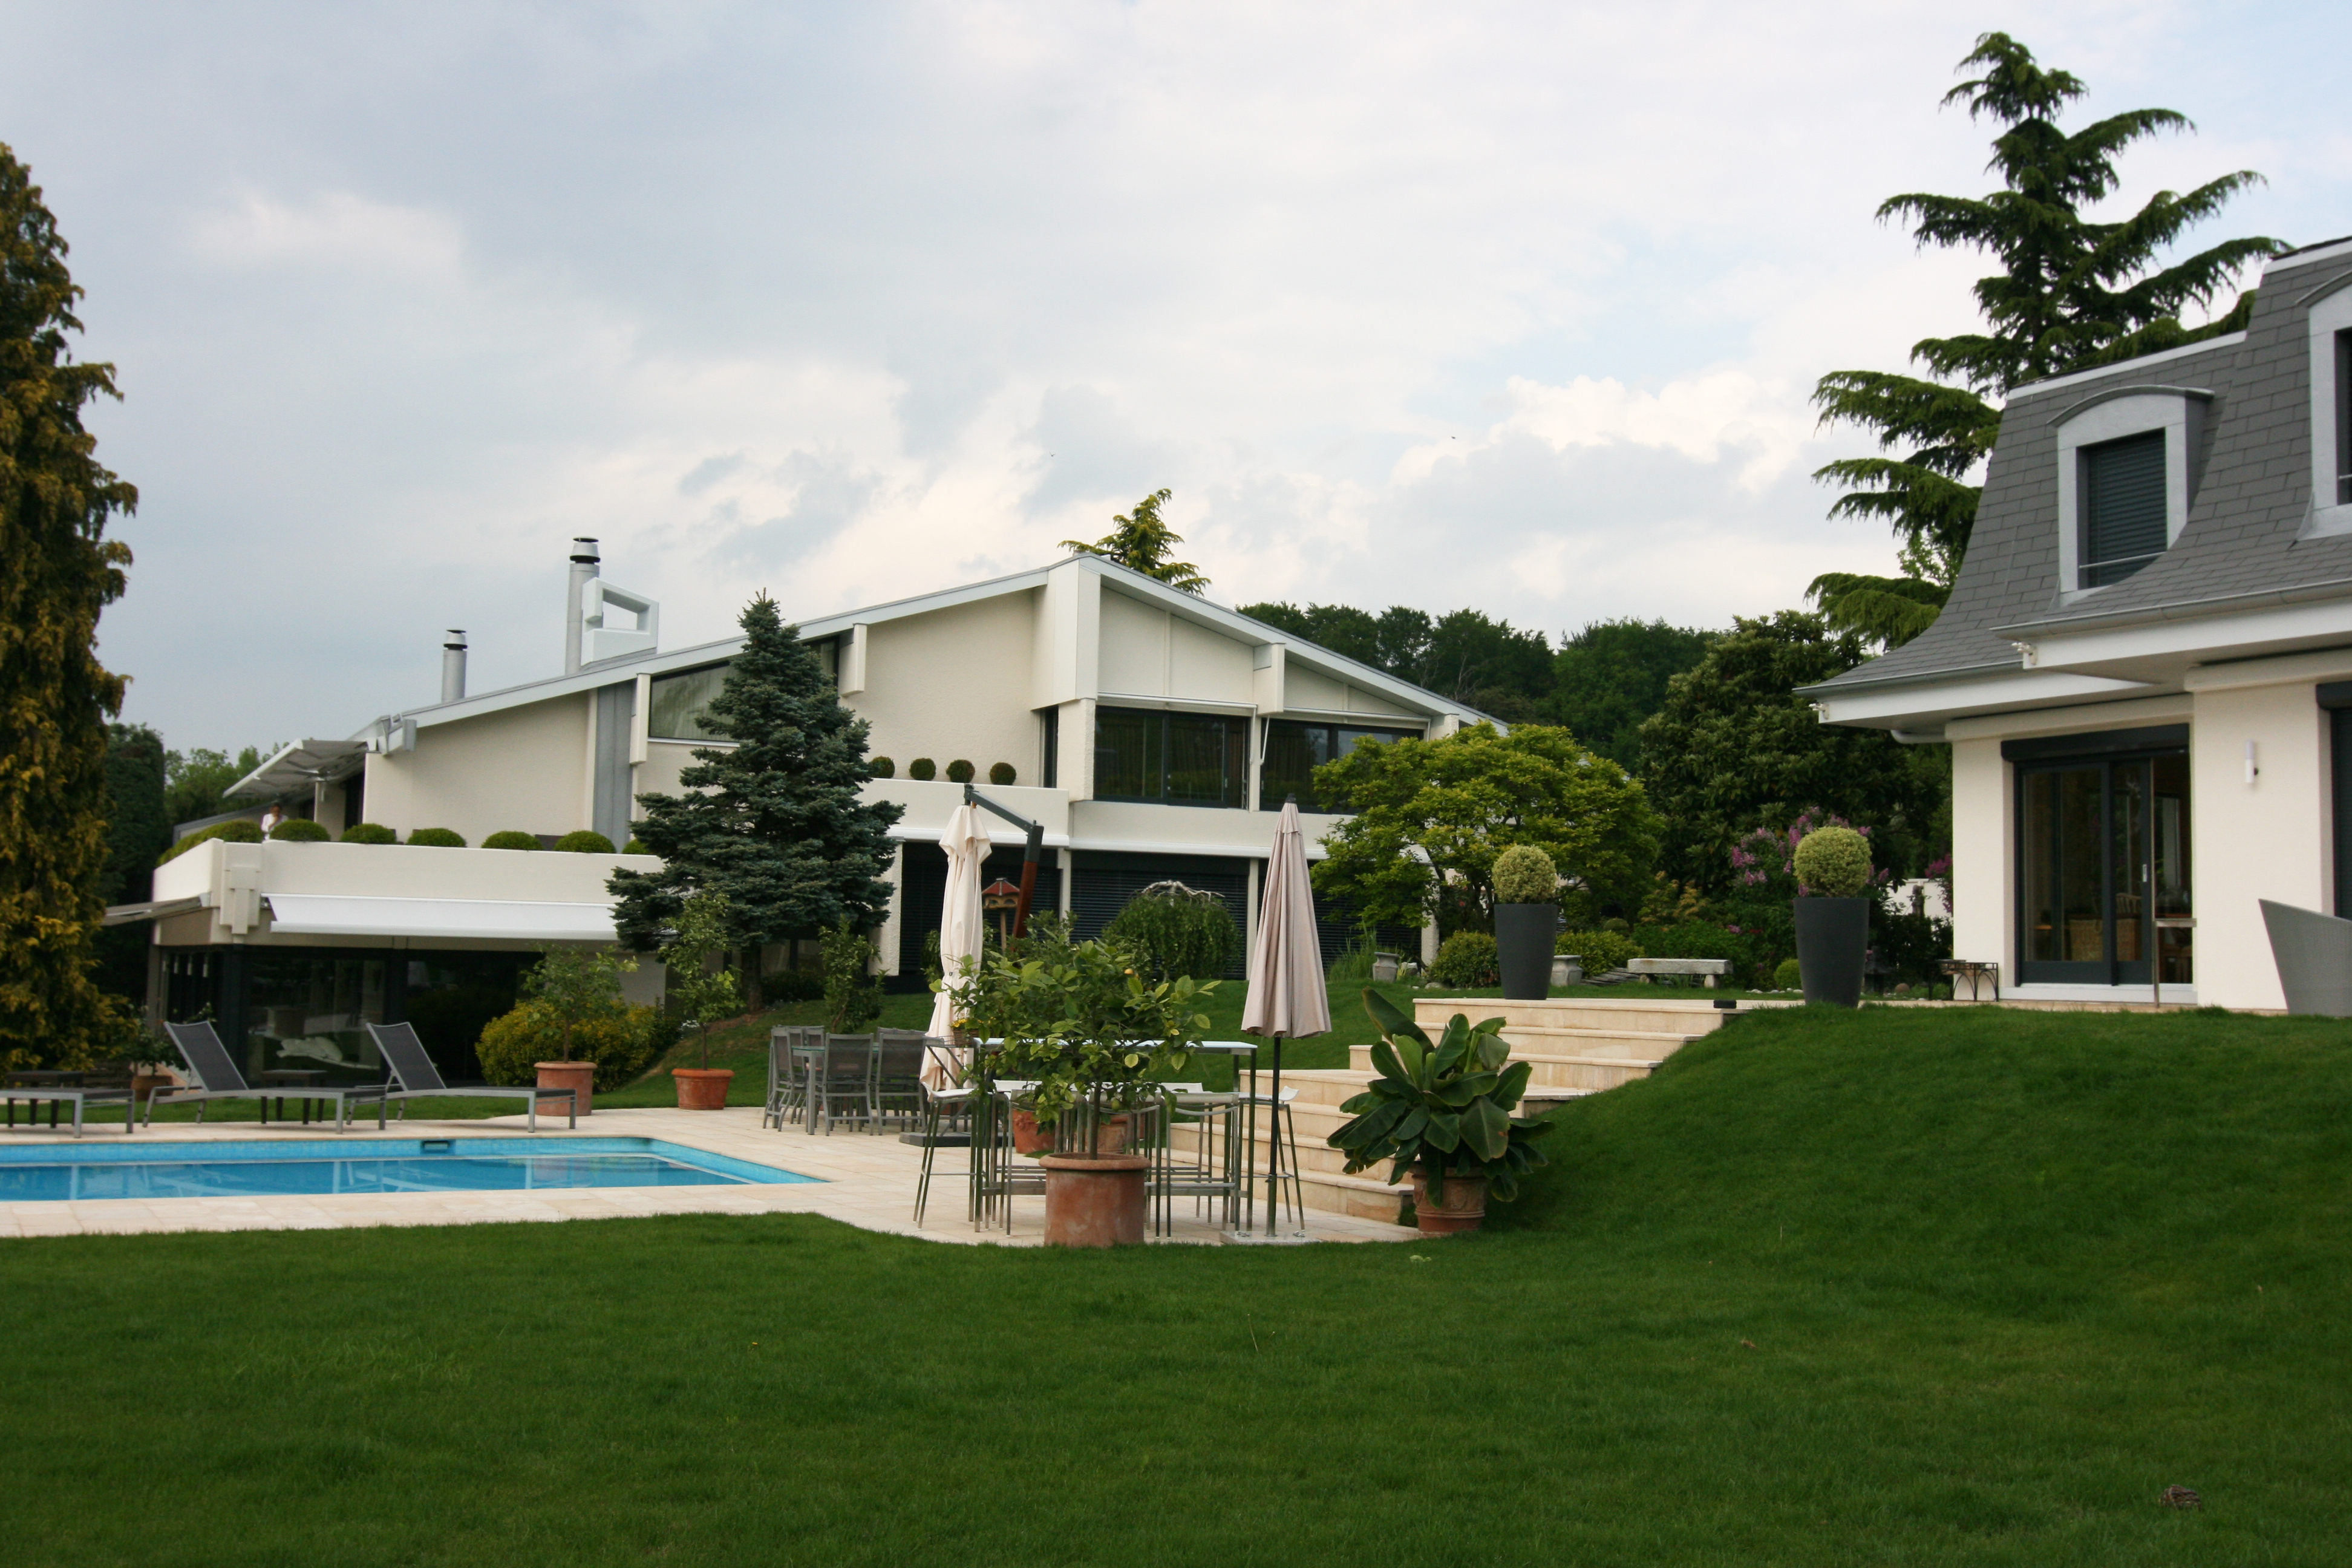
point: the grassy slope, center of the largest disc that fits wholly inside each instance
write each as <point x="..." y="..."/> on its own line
<point x="2006" y="1276"/>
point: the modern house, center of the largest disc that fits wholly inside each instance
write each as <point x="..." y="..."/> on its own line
<point x="2145" y="672"/>
<point x="1150" y="732"/>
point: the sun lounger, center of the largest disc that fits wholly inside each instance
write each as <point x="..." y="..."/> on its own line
<point x="412" y="1070"/>
<point x="78" y="1095"/>
<point x="218" y="1077"/>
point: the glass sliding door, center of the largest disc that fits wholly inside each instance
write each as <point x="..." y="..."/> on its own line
<point x="2103" y="850"/>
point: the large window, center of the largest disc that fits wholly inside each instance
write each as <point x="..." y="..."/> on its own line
<point x="1295" y="749"/>
<point x="680" y="701"/>
<point x="2124" y="523"/>
<point x="1171" y="759"/>
<point x="2104" y="857"/>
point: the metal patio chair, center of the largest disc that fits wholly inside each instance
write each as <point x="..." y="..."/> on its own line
<point x="412" y="1068"/>
<point x="218" y="1077"/>
<point x="842" y="1076"/>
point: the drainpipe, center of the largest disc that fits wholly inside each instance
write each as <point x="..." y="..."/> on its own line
<point x="453" y="666"/>
<point x="583" y="568"/>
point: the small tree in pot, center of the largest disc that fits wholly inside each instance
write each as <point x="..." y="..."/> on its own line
<point x="578" y="987"/>
<point x="705" y="994"/>
<point x="1527" y="915"/>
<point x="1833" y="870"/>
<point x="1442" y="1112"/>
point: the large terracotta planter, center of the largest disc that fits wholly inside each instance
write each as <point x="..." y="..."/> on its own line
<point x="702" y="1089"/>
<point x="1461" y="1206"/>
<point x="1523" y="943"/>
<point x="580" y="1077"/>
<point x="1113" y="1134"/>
<point x="1096" y="1201"/>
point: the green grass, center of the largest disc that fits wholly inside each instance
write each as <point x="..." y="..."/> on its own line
<point x="1892" y="1287"/>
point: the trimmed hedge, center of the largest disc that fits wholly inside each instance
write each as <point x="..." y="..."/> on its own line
<point x="923" y="768"/>
<point x="241" y="831"/>
<point x="1602" y="951"/>
<point x="437" y="838"/>
<point x="300" y="830"/>
<point x="585" y="841"/>
<point x="1787" y="976"/>
<point x="880" y="768"/>
<point x="511" y="839"/>
<point x="368" y="833"/>
<point x="513" y="1044"/>
<point x="635" y="847"/>
<point x="960" y="771"/>
<point x="1002" y="774"/>
<point x="1467" y="959"/>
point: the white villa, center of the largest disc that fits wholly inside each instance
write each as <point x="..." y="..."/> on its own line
<point x="1150" y="732"/>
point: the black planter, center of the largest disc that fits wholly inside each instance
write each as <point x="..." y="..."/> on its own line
<point x="1833" y="942"/>
<point x="1523" y="941"/>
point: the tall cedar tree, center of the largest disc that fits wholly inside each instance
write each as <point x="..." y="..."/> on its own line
<point x="774" y="822"/>
<point x="1734" y="749"/>
<point x="2070" y="294"/>
<point x="58" y="571"/>
<point x="137" y="831"/>
<point x="1142" y="541"/>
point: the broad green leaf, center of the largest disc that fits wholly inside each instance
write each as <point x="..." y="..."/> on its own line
<point x="1445" y="1132"/>
<point x="1493" y="1051"/>
<point x="1513" y="1084"/>
<point x="1385" y="1063"/>
<point x="1392" y="1022"/>
<point x="1415" y="1124"/>
<point x="1485" y="1129"/>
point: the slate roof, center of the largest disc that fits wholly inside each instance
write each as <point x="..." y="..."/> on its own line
<point x="2236" y="550"/>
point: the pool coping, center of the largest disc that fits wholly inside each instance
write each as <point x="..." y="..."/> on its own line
<point x="858" y="1179"/>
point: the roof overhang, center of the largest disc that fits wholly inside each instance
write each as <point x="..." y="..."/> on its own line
<point x="1923" y="706"/>
<point x="321" y="914"/>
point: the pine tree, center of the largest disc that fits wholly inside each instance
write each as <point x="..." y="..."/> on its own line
<point x="1143" y="543"/>
<point x="58" y="571"/>
<point x="2070" y="294"/>
<point x="775" y="823"/>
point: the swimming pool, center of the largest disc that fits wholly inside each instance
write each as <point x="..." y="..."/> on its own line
<point x="255" y="1169"/>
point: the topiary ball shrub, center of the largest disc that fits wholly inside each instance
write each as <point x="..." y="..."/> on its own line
<point x="1787" y="976"/>
<point x="369" y="832"/>
<point x="437" y="838"/>
<point x="635" y="847"/>
<point x="1601" y="951"/>
<point x="513" y="1044"/>
<point x="1833" y="862"/>
<point x="1002" y="774"/>
<point x="1467" y="960"/>
<point x="512" y="840"/>
<point x="961" y="771"/>
<point x="922" y="768"/>
<point x="1525" y="875"/>
<point x="585" y="841"/>
<point x="300" y="830"/>
<point x="880" y="768"/>
<point x="242" y="831"/>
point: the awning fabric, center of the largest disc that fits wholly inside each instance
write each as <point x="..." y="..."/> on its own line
<point x="321" y="914"/>
<point x="298" y="766"/>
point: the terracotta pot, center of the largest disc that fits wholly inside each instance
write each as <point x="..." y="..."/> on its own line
<point x="1462" y="1207"/>
<point x="1113" y="1134"/>
<point x="1028" y="1138"/>
<point x="580" y="1077"/>
<point x="144" y="1085"/>
<point x="702" y="1089"/>
<point x="1097" y="1202"/>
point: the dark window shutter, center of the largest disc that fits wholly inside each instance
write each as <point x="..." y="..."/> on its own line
<point x="2123" y="507"/>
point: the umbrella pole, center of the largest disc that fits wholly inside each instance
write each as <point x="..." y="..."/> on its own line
<point x="1274" y="1146"/>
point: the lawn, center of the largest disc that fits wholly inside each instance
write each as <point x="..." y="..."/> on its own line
<point x="1889" y="1287"/>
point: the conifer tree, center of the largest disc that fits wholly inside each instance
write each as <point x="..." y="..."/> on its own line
<point x="1143" y="543"/>
<point x="58" y="571"/>
<point x="2070" y="294"/>
<point x="774" y="823"/>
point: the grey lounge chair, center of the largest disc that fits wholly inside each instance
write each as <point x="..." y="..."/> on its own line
<point x="412" y="1070"/>
<point x="78" y="1095"/>
<point x="218" y="1077"/>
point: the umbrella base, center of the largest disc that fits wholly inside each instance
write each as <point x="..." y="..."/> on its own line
<point x="936" y="1139"/>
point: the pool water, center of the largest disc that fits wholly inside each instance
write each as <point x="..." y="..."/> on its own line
<point x="310" y="1167"/>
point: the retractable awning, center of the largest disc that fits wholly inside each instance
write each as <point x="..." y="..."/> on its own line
<point x="321" y="914"/>
<point x="299" y="766"/>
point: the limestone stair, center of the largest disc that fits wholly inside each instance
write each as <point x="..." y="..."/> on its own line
<point x="1577" y="1047"/>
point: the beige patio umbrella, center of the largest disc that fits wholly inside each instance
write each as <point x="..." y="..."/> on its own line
<point x="966" y="842"/>
<point x="1287" y="999"/>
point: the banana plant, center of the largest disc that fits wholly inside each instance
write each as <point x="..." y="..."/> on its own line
<point x="1444" y="1107"/>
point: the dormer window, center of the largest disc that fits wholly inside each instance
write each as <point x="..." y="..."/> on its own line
<point x="2127" y="472"/>
<point x="2330" y="326"/>
<point x="2344" y="418"/>
<point x="2123" y="507"/>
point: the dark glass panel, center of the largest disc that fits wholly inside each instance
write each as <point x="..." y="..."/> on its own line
<point x="679" y="703"/>
<point x="2176" y="946"/>
<point x="1128" y="754"/>
<point x="1293" y="751"/>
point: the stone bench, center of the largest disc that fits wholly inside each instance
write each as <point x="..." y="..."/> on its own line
<point x="1708" y="968"/>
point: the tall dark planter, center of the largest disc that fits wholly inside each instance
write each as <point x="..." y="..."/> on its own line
<point x="1523" y="943"/>
<point x="1832" y="941"/>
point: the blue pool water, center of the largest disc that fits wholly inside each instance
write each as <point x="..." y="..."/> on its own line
<point x="229" y="1170"/>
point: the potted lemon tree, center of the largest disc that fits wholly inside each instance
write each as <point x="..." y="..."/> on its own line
<point x="1441" y="1111"/>
<point x="1093" y="1032"/>
<point x="705" y="992"/>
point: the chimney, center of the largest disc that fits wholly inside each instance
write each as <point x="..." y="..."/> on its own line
<point x="453" y="666"/>
<point x="584" y="572"/>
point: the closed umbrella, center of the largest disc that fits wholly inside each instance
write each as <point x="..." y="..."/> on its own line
<point x="1288" y="998"/>
<point x="966" y="843"/>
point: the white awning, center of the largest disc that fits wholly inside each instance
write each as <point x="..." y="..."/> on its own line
<point x="299" y="766"/>
<point x="321" y="914"/>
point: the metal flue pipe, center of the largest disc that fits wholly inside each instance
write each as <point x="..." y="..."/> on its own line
<point x="576" y="611"/>
<point x="453" y="666"/>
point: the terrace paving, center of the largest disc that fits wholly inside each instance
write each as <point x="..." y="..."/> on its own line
<point x="864" y="1179"/>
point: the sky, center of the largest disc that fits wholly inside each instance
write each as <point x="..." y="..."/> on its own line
<point x="1515" y="306"/>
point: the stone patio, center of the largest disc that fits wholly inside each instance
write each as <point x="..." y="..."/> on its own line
<point x="864" y="1179"/>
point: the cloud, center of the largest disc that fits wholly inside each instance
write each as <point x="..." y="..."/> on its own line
<point x="337" y="229"/>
